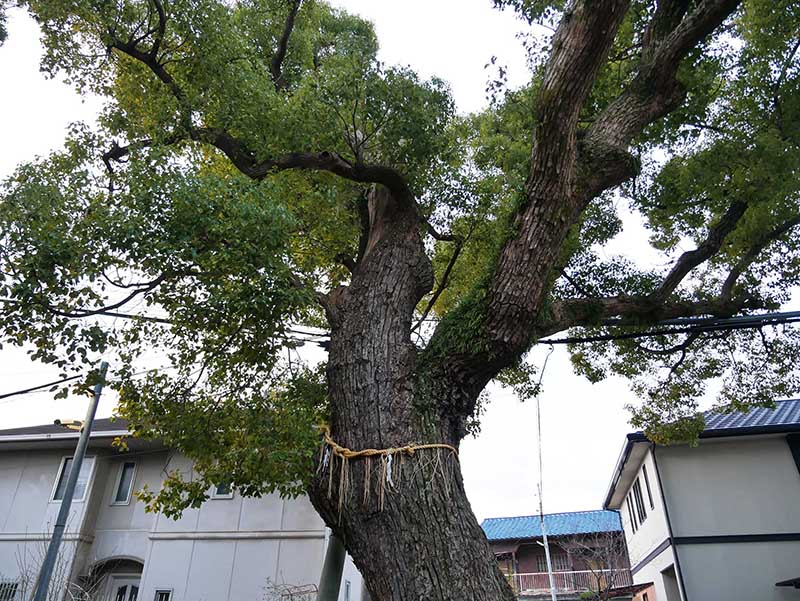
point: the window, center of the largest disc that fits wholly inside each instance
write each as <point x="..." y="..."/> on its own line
<point x="163" y="594"/>
<point x="223" y="490"/>
<point x="8" y="590"/>
<point x="560" y="562"/>
<point x="644" y="597"/>
<point x="639" y="501"/>
<point x="127" y="473"/>
<point x="82" y="483"/>
<point x="346" y="590"/>
<point x="631" y="515"/>
<point x="647" y="485"/>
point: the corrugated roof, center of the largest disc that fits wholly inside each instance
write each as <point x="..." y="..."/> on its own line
<point x="785" y="413"/>
<point x="557" y="524"/>
<point x="99" y="425"/>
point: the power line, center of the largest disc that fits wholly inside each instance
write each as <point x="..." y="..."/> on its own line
<point x="35" y="388"/>
<point x="693" y="325"/>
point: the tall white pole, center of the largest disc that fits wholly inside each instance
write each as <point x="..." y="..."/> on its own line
<point x="541" y="479"/>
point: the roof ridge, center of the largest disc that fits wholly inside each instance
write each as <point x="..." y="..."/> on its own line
<point x="536" y="515"/>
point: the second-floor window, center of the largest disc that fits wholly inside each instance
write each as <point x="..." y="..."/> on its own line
<point x="641" y="512"/>
<point x="647" y="485"/>
<point x="223" y="490"/>
<point x="80" y="485"/>
<point x="631" y="516"/>
<point x="560" y="562"/>
<point x="122" y="494"/>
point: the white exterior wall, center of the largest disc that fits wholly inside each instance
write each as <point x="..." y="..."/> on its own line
<point x="747" y="485"/>
<point x="654" y="530"/>
<point x="740" y="571"/>
<point x="27" y="514"/>
<point x="743" y="486"/>
<point x="652" y="573"/>
<point x="649" y="534"/>
<point x="226" y="549"/>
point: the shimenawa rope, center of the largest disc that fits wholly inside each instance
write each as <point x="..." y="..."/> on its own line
<point x="331" y="448"/>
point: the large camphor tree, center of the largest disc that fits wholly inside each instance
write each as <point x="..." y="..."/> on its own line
<point x="258" y="177"/>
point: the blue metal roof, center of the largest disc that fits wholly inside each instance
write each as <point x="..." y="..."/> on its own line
<point x="785" y="413"/>
<point x="557" y="524"/>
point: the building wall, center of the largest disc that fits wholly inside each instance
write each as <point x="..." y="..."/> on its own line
<point x="650" y="534"/>
<point x="653" y="572"/>
<point x="740" y="571"/>
<point x="730" y="487"/>
<point x="27" y="514"/>
<point x="747" y="485"/>
<point x="233" y="548"/>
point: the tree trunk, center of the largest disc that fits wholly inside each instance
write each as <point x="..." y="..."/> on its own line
<point x="405" y="520"/>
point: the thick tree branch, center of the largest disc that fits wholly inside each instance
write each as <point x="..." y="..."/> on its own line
<point x="501" y="328"/>
<point x="244" y="159"/>
<point x="752" y="254"/>
<point x="704" y="251"/>
<point x="523" y="272"/>
<point x="276" y="65"/>
<point x="637" y="311"/>
<point x="654" y="91"/>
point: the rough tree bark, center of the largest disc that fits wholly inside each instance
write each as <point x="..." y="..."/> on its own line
<point x="424" y="543"/>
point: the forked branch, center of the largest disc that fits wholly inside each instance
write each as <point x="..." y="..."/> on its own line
<point x="276" y="65"/>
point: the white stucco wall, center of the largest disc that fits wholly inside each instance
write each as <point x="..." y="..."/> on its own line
<point x="740" y="571"/>
<point x="653" y="531"/>
<point x="228" y="549"/>
<point x="747" y="485"/>
<point x="729" y="487"/>
<point x="652" y="572"/>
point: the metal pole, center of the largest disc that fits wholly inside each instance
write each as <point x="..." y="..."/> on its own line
<point x="546" y="548"/>
<point x="541" y="480"/>
<point x="332" y="568"/>
<point x="46" y="572"/>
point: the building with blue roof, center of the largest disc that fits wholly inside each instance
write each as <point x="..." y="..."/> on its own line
<point x="719" y="519"/>
<point x="556" y="524"/>
<point x="587" y="551"/>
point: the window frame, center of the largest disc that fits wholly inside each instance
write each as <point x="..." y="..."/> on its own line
<point x="639" y="500"/>
<point x="631" y="513"/>
<point x="647" y="485"/>
<point x="118" y="481"/>
<point x="222" y="497"/>
<point x="13" y="586"/>
<point x="60" y="474"/>
<point x="168" y="591"/>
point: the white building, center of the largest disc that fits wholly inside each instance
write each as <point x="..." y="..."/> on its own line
<point x="229" y="549"/>
<point x="719" y="521"/>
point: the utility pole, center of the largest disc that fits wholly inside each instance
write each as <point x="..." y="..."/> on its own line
<point x="46" y="571"/>
<point x="540" y="487"/>
<point x="331" y="578"/>
<point x="546" y="546"/>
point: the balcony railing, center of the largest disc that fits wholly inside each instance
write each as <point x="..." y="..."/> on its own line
<point x="571" y="582"/>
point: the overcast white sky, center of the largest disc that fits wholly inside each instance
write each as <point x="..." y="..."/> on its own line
<point x="583" y="424"/>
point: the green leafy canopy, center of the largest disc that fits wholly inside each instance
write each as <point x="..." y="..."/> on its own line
<point x="153" y="238"/>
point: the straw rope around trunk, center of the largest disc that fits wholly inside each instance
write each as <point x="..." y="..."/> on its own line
<point x="331" y="449"/>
